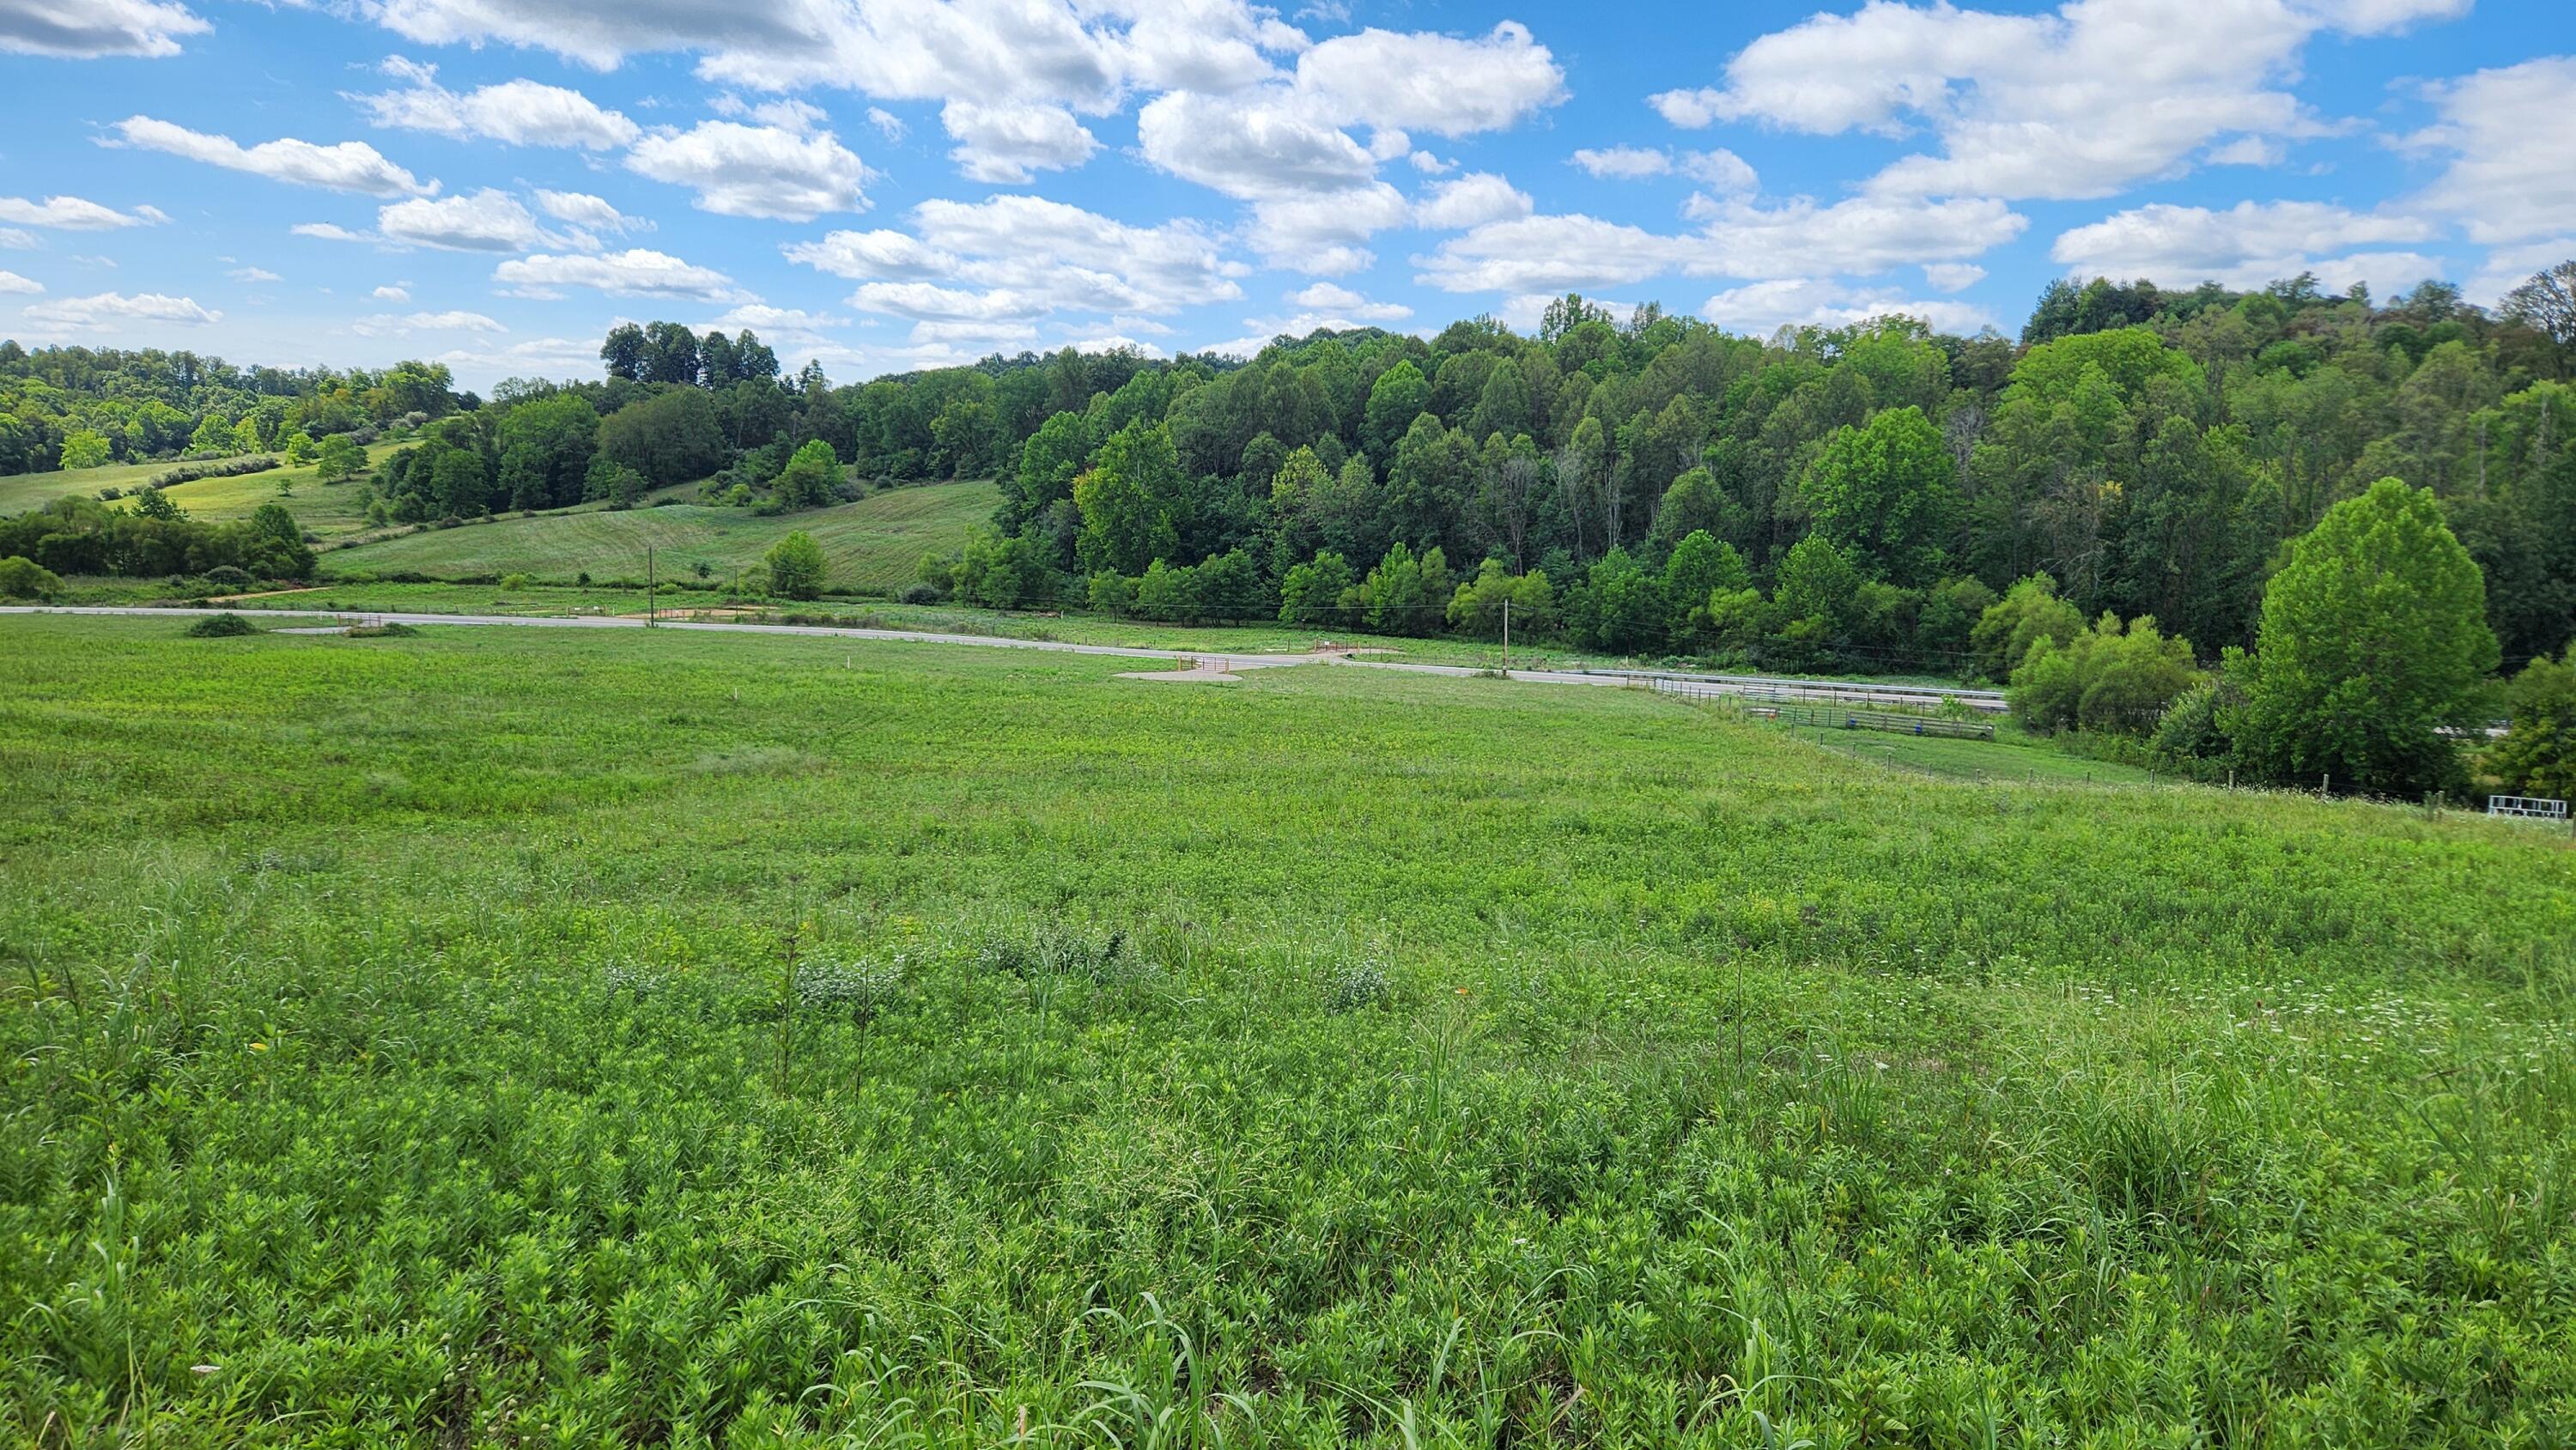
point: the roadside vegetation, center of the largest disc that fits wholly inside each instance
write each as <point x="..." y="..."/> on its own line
<point x="662" y="1037"/>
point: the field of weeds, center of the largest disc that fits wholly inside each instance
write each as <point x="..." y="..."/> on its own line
<point x="487" y="1037"/>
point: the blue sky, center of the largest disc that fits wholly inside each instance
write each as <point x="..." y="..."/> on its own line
<point x="889" y="184"/>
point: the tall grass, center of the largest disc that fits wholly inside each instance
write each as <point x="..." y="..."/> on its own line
<point x="404" y="1050"/>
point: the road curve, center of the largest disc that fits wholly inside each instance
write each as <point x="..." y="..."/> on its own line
<point x="1847" y="691"/>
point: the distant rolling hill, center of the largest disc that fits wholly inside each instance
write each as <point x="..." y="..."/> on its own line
<point x="876" y="543"/>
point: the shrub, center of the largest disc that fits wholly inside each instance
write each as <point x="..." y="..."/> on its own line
<point x="857" y="991"/>
<point x="221" y="626"/>
<point x="2103" y="679"/>
<point x="1353" y="986"/>
<point x="917" y="592"/>
<point x="516" y="581"/>
<point x="24" y="578"/>
<point x="2029" y="612"/>
<point x="213" y="468"/>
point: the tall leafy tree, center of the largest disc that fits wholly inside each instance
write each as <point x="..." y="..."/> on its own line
<point x="1886" y="494"/>
<point x="1400" y="395"/>
<point x="2373" y="644"/>
<point x="2537" y="755"/>
<point x="1132" y="502"/>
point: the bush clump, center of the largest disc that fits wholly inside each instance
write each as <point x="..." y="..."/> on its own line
<point x="1355" y="985"/>
<point x="215" y="468"/>
<point x="855" y="990"/>
<point x="24" y="578"/>
<point x="221" y="626"/>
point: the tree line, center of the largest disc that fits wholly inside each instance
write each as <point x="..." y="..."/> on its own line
<point x="2103" y="503"/>
<point x="69" y="408"/>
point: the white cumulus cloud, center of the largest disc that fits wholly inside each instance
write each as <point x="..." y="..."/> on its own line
<point x="2250" y="244"/>
<point x="1764" y="307"/>
<point x="1798" y="239"/>
<point x="344" y="166"/>
<point x="1437" y="83"/>
<point x="487" y="221"/>
<point x="88" y="29"/>
<point x="105" y="311"/>
<point x="2079" y="102"/>
<point x="1010" y="141"/>
<point x="632" y="273"/>
<point x="520" y="112"/>
<point x="581" y="209"/>
<point x="756" y="171"/>
<point x="1627" y="163"/>
<point x="74" y="214"/>
<point x="1471" y="201"/>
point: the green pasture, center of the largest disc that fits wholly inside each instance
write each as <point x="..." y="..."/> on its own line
<point x="546" y="1037"/>
<point x="876" y="543"/>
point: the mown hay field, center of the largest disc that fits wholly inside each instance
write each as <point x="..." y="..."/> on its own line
<point x="876" y="543"/>
<point x="323" y="509"/>
<point x="498" y="1036"/>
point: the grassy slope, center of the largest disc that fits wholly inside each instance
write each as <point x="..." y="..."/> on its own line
<point x="325" y="510"/>
<point x="876" y="543"/>
<point x="394" y="1026"/>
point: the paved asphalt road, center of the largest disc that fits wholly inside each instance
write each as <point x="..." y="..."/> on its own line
<point x="1853" y="691"/>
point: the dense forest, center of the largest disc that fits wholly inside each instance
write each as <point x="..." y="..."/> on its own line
<point x="1876" y="497"/>
<point x="1883" y="482"/>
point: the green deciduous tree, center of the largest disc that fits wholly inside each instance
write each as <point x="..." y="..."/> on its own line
<point x="2007" y="630"/>
<point x="809" y="477"/>
<point x="2374" y="641"/>
<point x="670" y="438"/>
<point x="1311" y="593"/>
<point x="1700" y="567"/>
<point x="1406" y="594"/>
<point x="213" y="436"/>
<point x="1399" y="395"/>
<point x="2537" y="755"/>
<point x="339" y="456"/>
<point x="1132" y="500"/>
<point x="1886" y="494"/>
<point x="1478" y="606"/>
<point x="795" y="565"/>
<point x="1618" y="607"/>
<point x="84" y="448"/>
<point x="546" y="449"/>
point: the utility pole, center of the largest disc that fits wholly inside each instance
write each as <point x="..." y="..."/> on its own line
<point x="1507" y="635"/>
<point x="652" y="616"/>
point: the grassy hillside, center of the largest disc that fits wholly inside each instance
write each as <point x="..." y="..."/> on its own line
<point x="875" y="543"/>
<point x="20" y="492"/>
<point x="325" y="510"/>
<point x="494" y="1036"/>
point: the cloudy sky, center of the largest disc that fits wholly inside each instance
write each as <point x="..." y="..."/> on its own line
<point x="888" y="184"/>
